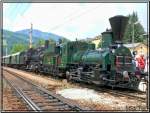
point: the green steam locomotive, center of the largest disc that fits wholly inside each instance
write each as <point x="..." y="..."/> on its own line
<point x="110" y="66"/>
<point x="80" y="61"/>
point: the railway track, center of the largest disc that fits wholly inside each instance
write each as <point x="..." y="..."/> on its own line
<point x="130" y="95"/>
<point x="15" y="102"/>
<point x="37" y="98"/>
<point x="140" y="96"/>
<point x="137" y="95"/>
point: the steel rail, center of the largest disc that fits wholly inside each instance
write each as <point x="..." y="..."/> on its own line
<point x="118" y="93"/>
<point x="74" y="107"/>
<point x="115" y="92"/>
<point x="29" y="102"/>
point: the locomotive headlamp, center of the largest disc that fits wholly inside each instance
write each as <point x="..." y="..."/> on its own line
<point x="119" y="45"/>
<point x="125" y="74"/>
<point x="113" y="50"/>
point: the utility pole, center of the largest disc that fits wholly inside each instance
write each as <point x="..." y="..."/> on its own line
<point x="30" y="33"/>
<point x="5" y="46"/>
<point x="6" y="50"/>
<point x="133" y="33"/>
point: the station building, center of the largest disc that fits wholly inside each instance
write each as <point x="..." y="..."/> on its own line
<point x="140" y="48"/>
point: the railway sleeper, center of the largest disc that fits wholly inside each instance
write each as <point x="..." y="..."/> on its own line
<point x="60" y="107"/>
<point x="72" y="105"/>
<point x="52" y="100"/>
<point x="47" y="101"/>
<point x="51" y="97"/>
<point x="40" y="100"/>
<point x="49" y="108"/>
<point x="57" y="104"/>
<point x="50" y="104"/>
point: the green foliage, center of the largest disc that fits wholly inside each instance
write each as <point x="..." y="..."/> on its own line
<point x="100" y="44"/>
<point x="23" y="38"/>
<point x="51" y="41"/>
<point x="65" y="40"/>
<point x="40" y="42"/>
<point x="19" y="47"/>
<point x="11" y="39"/>
<point x="138" y="30"/>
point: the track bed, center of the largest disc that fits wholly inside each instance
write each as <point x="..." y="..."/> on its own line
<point x="37" y="98"/>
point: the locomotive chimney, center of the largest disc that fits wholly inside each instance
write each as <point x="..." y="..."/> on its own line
<point x="118" y="25"/>
<point x="46" y="43"/>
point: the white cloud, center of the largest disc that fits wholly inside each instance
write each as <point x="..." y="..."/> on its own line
<point x="70" y="19"/>
<point x="6" y="22"/>
<point x="44" y="15"/>
<point x="94" y="19"/>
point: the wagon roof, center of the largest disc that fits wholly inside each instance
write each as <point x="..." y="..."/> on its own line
<point x="15" y="54"/>
<point x="6" y="56"/>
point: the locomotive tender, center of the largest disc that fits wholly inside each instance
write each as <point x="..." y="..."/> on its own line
<point x="80" y="61"/>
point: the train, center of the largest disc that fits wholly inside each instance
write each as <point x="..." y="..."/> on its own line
<point x="80" y="61"/>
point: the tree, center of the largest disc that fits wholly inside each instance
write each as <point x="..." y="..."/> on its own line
<point x="40" y="42"/>
<point x="65" y="40"/>
<point x="138" y="30"/>
<point x="51" y="41"/>
<point x="100" y="44"/>
<point x="19" y="47"/>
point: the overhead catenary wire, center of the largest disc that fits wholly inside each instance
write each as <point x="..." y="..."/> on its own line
<point x="72" y="18"/>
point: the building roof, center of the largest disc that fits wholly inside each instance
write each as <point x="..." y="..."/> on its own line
<point x="91" y="39"/>
<point x="12" y="55"/>
<point x="15" y="54"/>
<point x="132" y="45"/>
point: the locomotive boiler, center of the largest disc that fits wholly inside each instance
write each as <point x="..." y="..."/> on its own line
<point x="110" y="66"/>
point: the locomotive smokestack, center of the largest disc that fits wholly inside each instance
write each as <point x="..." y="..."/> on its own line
<point x="118" y="25"/>
<point x="46" y="43"/>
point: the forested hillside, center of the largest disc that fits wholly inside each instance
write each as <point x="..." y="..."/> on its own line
<point x="22" y="38"/>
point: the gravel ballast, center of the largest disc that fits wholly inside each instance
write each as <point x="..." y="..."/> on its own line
<point x="85" y="97"/>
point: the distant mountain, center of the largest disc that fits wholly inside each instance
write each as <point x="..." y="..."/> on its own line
<point x="13" y="38"/>
<point x="23" y="37"/>
<point x="40" y="35"/>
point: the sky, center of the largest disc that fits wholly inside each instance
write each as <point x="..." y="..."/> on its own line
<point x="71" y="20"/>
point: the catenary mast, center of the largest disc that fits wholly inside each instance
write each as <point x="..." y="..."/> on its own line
<point x="30" y="40"/>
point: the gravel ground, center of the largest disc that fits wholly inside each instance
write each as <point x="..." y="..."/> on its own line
<point x="10" y="101"/>
<point x="87" y="98"/>
<point x="99" y="101"/>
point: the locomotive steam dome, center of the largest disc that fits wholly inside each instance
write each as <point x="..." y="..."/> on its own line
<point x="118" y="25"/>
